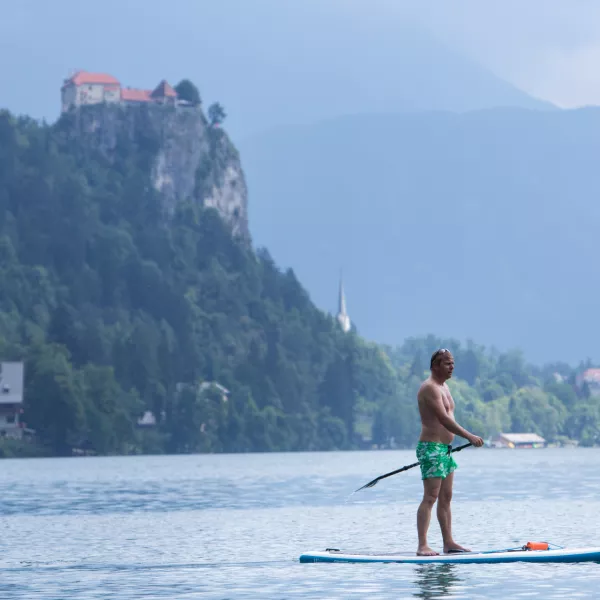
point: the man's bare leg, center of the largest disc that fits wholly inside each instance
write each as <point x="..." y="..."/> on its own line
<point x="444" y="515"/>
<point x="431" y="490"/>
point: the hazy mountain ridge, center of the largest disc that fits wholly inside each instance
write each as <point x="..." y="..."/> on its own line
<point x="269" y="63"/>
<point x="474" y="225"/>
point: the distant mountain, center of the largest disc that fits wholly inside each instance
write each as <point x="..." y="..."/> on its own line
<point x="269" y="62"/>
<point x="318" y="64"/>
<point x="481" y="225"/>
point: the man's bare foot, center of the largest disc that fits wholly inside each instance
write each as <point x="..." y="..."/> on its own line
<point x="426" y="551"/>
<point x="454" y="547"/>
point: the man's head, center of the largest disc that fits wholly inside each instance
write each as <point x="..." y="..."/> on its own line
<point x="442" y="364"/>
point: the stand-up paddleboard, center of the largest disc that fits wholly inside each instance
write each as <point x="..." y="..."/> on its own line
<point x="530" y="552"/>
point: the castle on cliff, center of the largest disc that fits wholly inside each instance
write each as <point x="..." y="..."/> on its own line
<point x="84" y="88"/>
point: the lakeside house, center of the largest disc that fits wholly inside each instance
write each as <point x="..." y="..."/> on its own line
<point x="518" y="440"/>
<point x="591" y="378"/>
<point x="11" y="399"/>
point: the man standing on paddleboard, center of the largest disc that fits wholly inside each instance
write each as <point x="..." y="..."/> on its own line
<point x="438" y="428"/>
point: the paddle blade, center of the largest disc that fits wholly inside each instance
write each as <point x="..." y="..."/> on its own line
<point x="372" y="483"/>
<point x="368" y="485"/>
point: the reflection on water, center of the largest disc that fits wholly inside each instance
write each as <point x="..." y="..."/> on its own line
<point x="435" y="581"/>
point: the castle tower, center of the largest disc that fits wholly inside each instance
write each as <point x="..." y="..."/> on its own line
<point x="342" y="316"/>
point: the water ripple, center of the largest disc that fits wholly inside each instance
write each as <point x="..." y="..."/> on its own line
<point x="233" y="526"/>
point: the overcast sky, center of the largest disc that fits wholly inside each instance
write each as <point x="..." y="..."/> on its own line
<point x="548" y="48"/>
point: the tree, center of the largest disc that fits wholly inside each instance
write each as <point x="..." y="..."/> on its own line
<point x="584" y="424"/>
<point x="216" y="114"/>
<point x="55" y="399"/>
<point x="416" y="367"/>
<point x="187" y="91"/>
<point x="532" y="410"/>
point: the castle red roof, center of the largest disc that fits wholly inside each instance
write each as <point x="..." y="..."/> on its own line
<point x="133" y="95"/>
<point x="87" y="78"/>
<point x="164" y="90"/>
<point x="592" y="375"/>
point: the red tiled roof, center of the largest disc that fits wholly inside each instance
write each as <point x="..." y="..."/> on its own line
<point x="133" y="95"/>
<point x="592" y="375"/>
<point x="84" y="77"/>
<point x="164" y="90"/>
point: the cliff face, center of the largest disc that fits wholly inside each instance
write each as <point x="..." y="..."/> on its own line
<point x="187" y="159"/>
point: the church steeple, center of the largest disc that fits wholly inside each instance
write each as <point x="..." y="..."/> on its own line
<point x="342" y="316"/>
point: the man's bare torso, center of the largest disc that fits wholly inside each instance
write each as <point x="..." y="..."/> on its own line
<point x="431" y="428"/>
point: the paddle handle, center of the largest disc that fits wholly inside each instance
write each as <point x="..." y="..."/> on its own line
<point x="461" y="447"/>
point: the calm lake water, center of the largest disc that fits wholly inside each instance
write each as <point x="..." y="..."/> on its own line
<point x="233" y="526"/>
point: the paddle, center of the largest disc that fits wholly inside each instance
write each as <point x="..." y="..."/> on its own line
<point x="372" y="483"/>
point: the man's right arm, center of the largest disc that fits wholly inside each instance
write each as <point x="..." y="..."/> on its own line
<point x="435" y="403"/>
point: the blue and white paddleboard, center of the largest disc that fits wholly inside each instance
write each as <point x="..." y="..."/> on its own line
<point x="486" y="556"/>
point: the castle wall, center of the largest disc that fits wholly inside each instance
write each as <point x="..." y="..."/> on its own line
<point x="112" y="94"/>
<point x="87" y="94"/>
<point x="68" y="97"/>
<point x="90" y="94"/>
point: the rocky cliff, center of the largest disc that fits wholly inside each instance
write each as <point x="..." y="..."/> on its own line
<point x="187" y="159"/>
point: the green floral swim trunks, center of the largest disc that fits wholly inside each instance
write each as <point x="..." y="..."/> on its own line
<point x="435" y="460"/>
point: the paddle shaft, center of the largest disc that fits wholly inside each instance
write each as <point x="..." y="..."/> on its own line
<point x="372" y="483"/>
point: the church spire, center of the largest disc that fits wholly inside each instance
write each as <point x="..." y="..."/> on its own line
<point x="342" y="316"/>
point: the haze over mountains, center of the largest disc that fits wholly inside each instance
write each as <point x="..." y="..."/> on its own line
<point x="480" y="225"/>
<point x="269" y="62"/>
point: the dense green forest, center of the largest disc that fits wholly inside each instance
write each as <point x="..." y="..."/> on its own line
<point x="118" y="310"/>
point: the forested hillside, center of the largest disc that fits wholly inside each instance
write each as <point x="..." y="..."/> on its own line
<point x="118" y="309"/>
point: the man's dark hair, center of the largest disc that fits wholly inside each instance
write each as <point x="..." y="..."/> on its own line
<point x="436" y="354"/>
